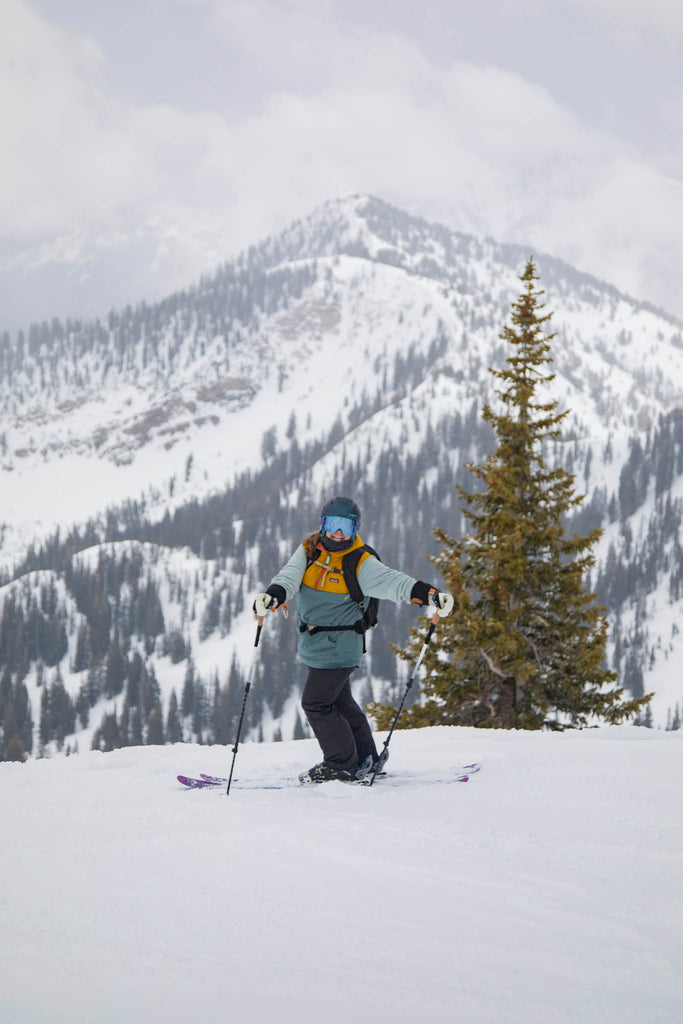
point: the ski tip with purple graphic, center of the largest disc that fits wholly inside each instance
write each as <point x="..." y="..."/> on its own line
<point x="194" y="783"/>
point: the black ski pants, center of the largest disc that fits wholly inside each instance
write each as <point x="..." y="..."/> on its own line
<point x="339" y="724"/>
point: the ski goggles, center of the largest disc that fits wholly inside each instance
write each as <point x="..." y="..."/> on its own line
<point x="330" y="524"/>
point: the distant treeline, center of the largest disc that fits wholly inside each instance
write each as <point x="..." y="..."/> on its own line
<point x="245" y="534"/>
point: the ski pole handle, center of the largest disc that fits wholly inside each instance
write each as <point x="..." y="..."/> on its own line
<point x="433" y="622"/>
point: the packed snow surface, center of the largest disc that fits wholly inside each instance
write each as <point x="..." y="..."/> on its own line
<point x="546" y="890"/>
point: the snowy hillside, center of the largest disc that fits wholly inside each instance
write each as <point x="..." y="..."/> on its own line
<point x="181" y="450"/>
<point x="547" y="890"/>
<point x="179" y="396"/>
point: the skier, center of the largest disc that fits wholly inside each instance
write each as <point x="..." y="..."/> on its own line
<point x="331" y="634"/>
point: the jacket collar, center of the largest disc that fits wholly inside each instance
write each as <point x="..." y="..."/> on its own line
<point x="335" y="557"/>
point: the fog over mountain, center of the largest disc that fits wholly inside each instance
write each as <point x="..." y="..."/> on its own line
<point x="144" y="144"/>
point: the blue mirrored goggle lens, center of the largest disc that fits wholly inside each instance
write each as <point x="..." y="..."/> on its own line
<point x="331" y="524"/>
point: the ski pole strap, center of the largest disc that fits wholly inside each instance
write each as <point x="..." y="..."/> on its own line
<point x="433" y="622"/>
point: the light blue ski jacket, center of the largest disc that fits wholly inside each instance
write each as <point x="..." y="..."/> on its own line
<point x="324" y="600"/>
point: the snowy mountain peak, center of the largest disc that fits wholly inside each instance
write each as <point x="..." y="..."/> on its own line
<point x="162" y="392"/>
<point x="351" y="351"/>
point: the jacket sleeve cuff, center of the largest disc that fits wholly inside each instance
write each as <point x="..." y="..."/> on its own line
<point x="420" y="592"/>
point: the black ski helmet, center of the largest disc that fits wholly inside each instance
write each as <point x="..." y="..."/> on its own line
<point x="339" y="506"/>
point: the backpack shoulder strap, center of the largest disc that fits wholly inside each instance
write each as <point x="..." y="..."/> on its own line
<point x="350" y="570"/>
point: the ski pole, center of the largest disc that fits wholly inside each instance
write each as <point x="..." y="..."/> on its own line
<point x="247" y="687"/>
<point x="425" y="645"/>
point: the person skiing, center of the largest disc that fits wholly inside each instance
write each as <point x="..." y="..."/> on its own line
<point x="331" y="634"/>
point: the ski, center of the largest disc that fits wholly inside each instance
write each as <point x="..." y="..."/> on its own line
<point x="218" y="783"/>
<point x="465" y="769"/>
<point x="195" y="783"/>
<point x="389" y="780"/>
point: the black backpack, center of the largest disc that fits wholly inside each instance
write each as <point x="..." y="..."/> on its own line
<point x="369" y="606"/>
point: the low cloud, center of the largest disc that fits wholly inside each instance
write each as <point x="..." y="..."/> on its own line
<point x="629" y="21"/>
<point x="480" y="148"/>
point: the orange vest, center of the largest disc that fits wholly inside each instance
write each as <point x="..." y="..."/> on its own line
<point x="326" y="572"/>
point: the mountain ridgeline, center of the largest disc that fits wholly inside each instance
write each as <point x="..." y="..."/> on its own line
<point x="134" y="625"/>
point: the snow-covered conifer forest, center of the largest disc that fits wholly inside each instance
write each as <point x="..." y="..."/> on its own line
<point x="159" y="466"/>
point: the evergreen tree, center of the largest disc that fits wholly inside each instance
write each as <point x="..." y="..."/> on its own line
<point x="188" y="698"/>
<point x="116" y="669"/>
<point x="136" y="738"/>
<point x="24" y="716"/>
<point x="13" y="750"/>
<point x="174" y="729"/>
<point x="525" y="645"/>
<point x="82" y="657"/>
<point x="155" y="726"/>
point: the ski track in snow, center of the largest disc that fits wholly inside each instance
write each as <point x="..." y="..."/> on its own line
<point x="547" y="890"/>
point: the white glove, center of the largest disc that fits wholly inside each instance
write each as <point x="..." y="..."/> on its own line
<point x="262" y="603"/>
<point x="443" y="602"/>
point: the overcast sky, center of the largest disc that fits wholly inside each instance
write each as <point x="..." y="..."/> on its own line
<point x="192" y="128"/>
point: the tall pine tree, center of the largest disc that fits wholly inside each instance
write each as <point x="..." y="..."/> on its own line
<point x="525" y="644"/>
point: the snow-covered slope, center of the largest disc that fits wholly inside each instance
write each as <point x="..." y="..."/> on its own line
<point x="547" y="890"/>
<point x="178" y="396"/>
